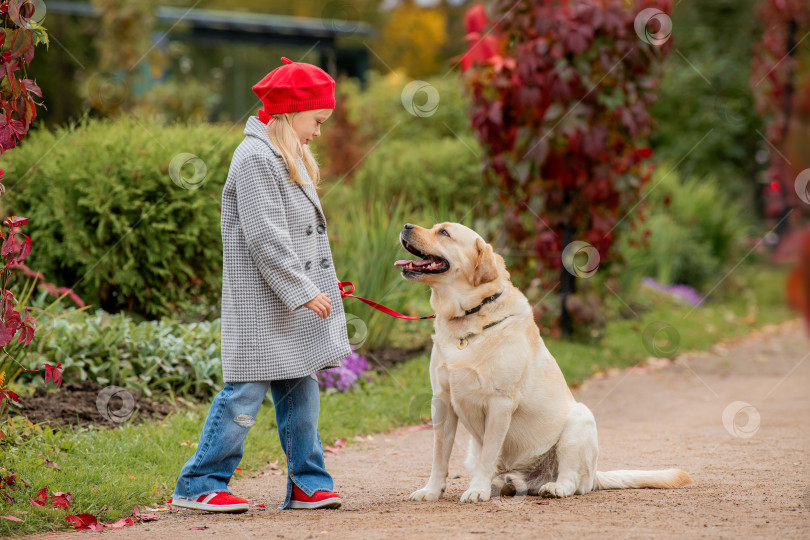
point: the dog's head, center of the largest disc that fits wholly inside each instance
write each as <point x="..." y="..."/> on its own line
<point x="450" y="254"/>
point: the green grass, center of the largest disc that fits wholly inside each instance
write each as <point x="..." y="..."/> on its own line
<point x="138" y="465"/>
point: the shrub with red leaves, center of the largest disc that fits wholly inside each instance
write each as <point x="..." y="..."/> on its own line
<point x="560" y="95"/>
<point x="780" y="82"/>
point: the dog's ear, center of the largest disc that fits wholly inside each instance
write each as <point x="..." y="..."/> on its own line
<point x="486" y="268"/>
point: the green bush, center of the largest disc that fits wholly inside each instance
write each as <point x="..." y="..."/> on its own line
<point x="440" y="176"/>
<point x="107" y="219"/>
<point x="696" y="232"/>
<point x="379" y="112"/>
<point x="166" y="356"/>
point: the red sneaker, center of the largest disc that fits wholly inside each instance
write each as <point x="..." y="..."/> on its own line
<point x="319" y="499"/>
<point x="214" y="502"/>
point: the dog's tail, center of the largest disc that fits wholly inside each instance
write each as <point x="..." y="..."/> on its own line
<point x="668" y="478"/>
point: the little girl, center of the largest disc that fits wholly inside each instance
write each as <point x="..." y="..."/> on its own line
<point x="276" y="259"/>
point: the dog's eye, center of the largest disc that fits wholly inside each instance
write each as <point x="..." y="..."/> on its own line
<point x="444" y="232"/>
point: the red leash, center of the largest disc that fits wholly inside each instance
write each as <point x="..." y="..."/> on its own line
<point x="344" y="294"/>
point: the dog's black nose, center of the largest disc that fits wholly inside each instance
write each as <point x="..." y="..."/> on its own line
<point x="408" y="226"/>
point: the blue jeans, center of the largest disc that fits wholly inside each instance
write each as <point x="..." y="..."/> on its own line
<point x="232" y="413"/>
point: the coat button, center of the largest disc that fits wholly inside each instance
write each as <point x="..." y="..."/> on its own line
<point x="309" y="229"/>
<point x="308" y="265"/>
<point x="325" y="263"/>
<point x="321" y="229"/>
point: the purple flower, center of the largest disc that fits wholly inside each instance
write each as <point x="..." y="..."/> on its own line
<point x="342" y="378"/>
<point x="685" y="293"/>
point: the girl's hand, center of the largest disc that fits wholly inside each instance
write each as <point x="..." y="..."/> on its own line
<point x="321" y="305"/>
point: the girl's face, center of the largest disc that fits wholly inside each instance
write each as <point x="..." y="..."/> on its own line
<point x="307" y="124"/>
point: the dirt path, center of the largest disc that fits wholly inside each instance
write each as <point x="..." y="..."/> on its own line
<point x="755" y="486"/>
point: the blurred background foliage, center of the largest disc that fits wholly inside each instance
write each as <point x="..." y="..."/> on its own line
<point x="125" y="96"/>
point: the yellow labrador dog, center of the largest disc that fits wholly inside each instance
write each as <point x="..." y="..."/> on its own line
<point x="490" y="368"/>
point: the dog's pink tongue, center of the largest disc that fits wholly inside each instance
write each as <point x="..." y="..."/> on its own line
<point x="405" y="262"/>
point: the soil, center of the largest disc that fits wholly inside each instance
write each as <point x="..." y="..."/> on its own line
<point x="75" y="404"/>
<point x="657" y="415"/>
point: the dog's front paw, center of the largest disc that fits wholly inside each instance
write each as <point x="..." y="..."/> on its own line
<point x="427" y="493"/>
<point x="476" y="495"/>
<point x="554" y="490"/>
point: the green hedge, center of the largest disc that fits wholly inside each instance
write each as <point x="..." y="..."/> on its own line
<point x="164" y="356"/>
<point x="107" y="219"/>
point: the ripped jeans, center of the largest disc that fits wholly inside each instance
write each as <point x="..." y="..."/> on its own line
<point x="232" y="413"/>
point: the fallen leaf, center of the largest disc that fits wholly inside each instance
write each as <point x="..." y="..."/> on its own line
<point x="198" y="528"/>
<point x="420" y="427"/>
<point x="132" y="477"/>
<point x="82" y="521"/>
<point x="12" y="518"/>
<point x="340" y="443"/>
<point x="238" y="469"/>
<point x="541" y="502"/>
<point x="41" y="497"/>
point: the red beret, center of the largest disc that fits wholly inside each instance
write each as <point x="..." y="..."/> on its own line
<point x="295" y="86"/>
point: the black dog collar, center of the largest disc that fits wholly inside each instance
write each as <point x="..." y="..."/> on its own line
<point x="487" y="300"/>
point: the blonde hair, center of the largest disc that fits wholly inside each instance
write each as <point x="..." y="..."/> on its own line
<point x="281" y="133"/>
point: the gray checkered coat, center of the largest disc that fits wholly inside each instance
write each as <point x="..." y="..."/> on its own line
<point x="276" y="257"/>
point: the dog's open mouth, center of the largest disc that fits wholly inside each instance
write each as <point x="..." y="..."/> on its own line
<point x="430" y="264"/>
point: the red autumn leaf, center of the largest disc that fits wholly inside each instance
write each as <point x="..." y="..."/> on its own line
<point x="16" y="221"/>
<point x="27" y="328"/>
<point x="32" y="87"/>
<point x="53" y="373"/>
<point x="8" y="246"/>
<point x="60" y="501"/>
<point x="41" y="497"/>
<point x="9" y="480"/>
<point x="8" y="395"/>
<point x="82" y="521"/>
<point x="123" y="522"/>
<point x="57" y="375"/>
<point x="238" y="469"/>
<point x="475" y="20"/>
<point x="482" y="48"/>
<point x="12" y="518"/>
<point x="340" y="443"/>
<point x="25" y="250"/>
<point x="198" y="528"/>
<point x="144" y="517"/>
